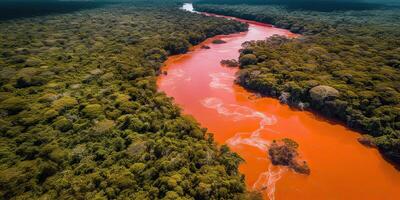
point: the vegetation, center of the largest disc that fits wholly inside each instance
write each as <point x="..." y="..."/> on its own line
<point x="367" y="141"/>
<point x="218" y="41"/>
<point x="345" y="65"/>
<point x="11" y="9"/>
<point x="205" y="47"/>
<point x="230" y="63"/>
<point x="81" y="117"/>
<point x="317" y="5"/>
<point x="284" y="152"/>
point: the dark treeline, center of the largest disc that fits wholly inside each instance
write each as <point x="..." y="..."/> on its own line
<point x="12" y="9"/>
<point x="317" y="5"/>
<point x="346" y="65"/>
<point x="18" y="9"/>
<point x="81" y="118"/>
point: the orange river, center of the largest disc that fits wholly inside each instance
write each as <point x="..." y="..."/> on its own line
<point x="341" y="168"/>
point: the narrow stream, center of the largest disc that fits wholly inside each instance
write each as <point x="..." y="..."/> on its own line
<point x="341" y="168"/>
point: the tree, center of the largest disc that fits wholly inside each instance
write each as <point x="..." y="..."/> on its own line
<point x="248" y="59"/>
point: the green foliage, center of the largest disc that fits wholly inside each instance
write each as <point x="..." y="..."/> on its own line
<point x="29" y="76"/>
<point x="291" y="143"/>
<point x="64" y="103"/>
<point x="248" y="59"/>
<point x="93" y="111"/>
<point x="50" y="114"/>
<point x="104" y="126"/>
<point x="62" y="124"/>
<point x="81" y="117"/>
<point x="13" y="105"/>
<point x="323" y="93"/>
<point x="344" y="65"/>
<point x="284" y="152"/>
<point x="317" y="5"/>
<point x="176" y="45"/>
<point x="230" y="63"/>
<point x="218" y="41"/>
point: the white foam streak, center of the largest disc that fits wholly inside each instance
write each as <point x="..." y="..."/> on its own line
<point x="240" y="113"/>
<point x="246" y="139"/>
<point x="224" y="50"/>
<point x="173" y="76"/>
<point x="222" y="81"/>
<point x="237" y="112"/>
<point x="267" y="180"/>
<point x="177" y="72"/>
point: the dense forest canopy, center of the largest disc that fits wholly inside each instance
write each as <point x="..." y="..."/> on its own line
<point x="346" y="65"/>
<point x="317" y="5"/>
<point x="81" y="117"/>
<point x="10" y="9"/>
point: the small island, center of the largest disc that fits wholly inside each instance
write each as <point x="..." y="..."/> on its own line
<point x="284" y="152"/>
<point x="230" y="63"/>
<point x="205" y="47"/>
<point x="218" y="41"/>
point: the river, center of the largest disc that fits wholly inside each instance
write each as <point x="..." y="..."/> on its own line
<point x="341" y="168"/>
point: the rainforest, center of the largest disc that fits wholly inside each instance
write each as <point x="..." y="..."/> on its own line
<point x="203" y="99"/>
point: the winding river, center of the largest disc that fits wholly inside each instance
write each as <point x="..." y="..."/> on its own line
<point x="341" y="168"/>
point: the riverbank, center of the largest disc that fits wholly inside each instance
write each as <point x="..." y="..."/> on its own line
<point x="342" y="51"/>
<point x="80" y="115"/>
<point x="248" y="125"/>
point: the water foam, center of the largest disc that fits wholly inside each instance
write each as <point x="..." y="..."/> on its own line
<point x="245" y="138"/>
<point x="177" y="72"/>
<point x="238" y="113"/>
<point x="224" y="51"/>
<point x="173" y="76"/>
<point x="267" y="180"/>
<point x="222" y="81"/>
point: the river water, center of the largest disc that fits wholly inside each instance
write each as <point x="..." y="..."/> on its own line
<point x="341" y="168"/>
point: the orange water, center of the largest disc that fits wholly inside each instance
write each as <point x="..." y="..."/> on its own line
<point x="341" y="168"/>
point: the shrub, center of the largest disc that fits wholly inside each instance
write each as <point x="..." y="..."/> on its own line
<point x="230" y="63"/>
<point x="50" y="114"/>
<point x="103" y="126"/>
<point x="27" y="77"/>
<point x="64" y="103"/>
<point x="4" y="126"/>
<point x="137" y="168"/>
<point x="218" y="41"/>
<point x="156" y="54"/>
<point x="176" y="45"/>
<point x="58" y="155"/>
<point x="93" y="110"/>
<point x="322" y="92"/>
<point x="33" y="62"/>
<point x="62" y="124"/>
<point x="48" y="97"/>
<point x="285" y="153"/>
<point x="128" y="106"/>
<point x="14" y="105"/>
<point x="247" y="59"/>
